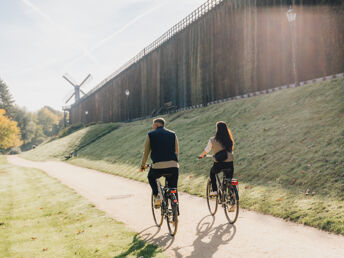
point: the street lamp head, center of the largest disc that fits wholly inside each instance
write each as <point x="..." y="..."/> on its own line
<point x="86" y="112"/>
<point x="127" y="92"/>
<point x="291" y="15"/>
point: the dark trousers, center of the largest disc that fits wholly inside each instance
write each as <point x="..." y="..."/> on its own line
<point x="228" y="169"/>
<point x="171" y="175"/>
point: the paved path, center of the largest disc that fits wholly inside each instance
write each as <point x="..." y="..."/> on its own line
<point x="199" y="235"/>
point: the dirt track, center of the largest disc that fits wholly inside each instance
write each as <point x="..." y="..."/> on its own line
<point x="199" y="235"/>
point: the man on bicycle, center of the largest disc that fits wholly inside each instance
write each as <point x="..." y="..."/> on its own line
<point x="163" y="146"/>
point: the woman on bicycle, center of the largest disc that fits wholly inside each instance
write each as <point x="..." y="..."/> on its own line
<point x="222" y="142"/>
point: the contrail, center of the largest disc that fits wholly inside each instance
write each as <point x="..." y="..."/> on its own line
<point x="114" y="34"/>
<point x="103" y="41"/>
<point x="59" y="28"/>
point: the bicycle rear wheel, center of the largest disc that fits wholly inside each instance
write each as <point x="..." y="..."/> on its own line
<point x="211" y="201"/>
<point x="231" y="204"/>
<point x="157" y="213"/>
<point x="172" y="217"/>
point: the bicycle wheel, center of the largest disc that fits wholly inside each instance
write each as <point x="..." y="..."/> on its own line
<point x="231" y="204"/>
<point x="172" y="217"/>
<point x="211" y="201"/>
<point x="157" y="213"/>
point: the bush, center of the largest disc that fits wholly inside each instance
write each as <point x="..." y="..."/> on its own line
<point x="70" y="129"/>
<point x="14" y="151"/>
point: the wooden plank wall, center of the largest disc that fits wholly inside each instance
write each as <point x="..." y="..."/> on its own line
<point x="240" y="46"/>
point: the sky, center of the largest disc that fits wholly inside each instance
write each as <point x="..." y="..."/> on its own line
<point x="41" y="40"/>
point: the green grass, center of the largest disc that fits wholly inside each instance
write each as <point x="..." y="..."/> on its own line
<point x="39" y="217"/>
<point x="60" y="148"/>
<point x="286" y="142"/>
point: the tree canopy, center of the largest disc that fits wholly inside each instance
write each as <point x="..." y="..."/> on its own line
<point x="6" y="100"/>
<point x="31" y="128"/>
<point x="9" y="132"/>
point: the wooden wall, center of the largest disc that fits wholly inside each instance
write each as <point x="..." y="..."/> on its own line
<point x="240" y="46"/>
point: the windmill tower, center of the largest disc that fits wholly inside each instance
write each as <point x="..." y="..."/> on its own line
<point x="76" y="93"/>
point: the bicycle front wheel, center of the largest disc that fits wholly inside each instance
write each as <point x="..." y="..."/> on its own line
<point x="172" y="217"/>
<point x="157" y="213"/>
<point x="211" y="201"/>
<point x="231" y="204"/>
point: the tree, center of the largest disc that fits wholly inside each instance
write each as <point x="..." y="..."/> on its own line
<point x="9" y="132"/>
<point x="26" y="124"/>
<point x="6" y="100"/>
<point x="49" y="119"/>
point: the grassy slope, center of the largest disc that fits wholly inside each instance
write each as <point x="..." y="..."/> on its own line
<point x="39" y="217"/>
<point x="60" y="148"/>
<point x="286" y="142"/>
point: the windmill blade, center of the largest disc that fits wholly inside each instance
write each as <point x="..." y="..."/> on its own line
<point x="82" y="92"/>
<point x="67" y="96"/>
<point x="70" y="98"/>
<point x="68" y="80"/>
<point x="86" y="79"/>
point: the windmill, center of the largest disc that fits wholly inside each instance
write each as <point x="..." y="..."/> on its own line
<point x="76" y="86"/>
<point x="75" y="92"/>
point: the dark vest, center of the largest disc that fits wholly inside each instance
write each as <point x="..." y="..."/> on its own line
<point x="163" y="145"/>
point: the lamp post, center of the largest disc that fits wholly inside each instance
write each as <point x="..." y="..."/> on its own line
<point x="86" y="113"/>
<point x="127" y="92"/>
<point x="291" y="16"/>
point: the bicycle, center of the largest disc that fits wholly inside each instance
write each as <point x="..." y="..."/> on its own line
<point x="169" y="208"/>
<point x="227" y="196"/>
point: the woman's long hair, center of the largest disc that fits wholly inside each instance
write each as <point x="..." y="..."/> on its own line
<point x="224" y="136"/>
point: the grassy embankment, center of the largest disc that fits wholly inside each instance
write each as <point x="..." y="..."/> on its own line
<point x="39" y="217"/>
<point x="287" y="143"/>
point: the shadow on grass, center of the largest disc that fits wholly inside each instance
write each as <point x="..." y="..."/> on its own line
<point x="140" y="248"/>
<point x="150" y="235"/>
<point x="93" y="134"/>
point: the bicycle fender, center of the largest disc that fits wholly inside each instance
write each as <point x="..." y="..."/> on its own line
<point x="236" y="192"/>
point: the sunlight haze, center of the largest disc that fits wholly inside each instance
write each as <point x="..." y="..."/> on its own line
<point x="42" y="40"/>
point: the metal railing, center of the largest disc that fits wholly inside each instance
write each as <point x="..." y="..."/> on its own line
<point x="192" y="17"/>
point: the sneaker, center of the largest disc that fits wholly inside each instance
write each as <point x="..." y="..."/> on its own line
<point x="231" y="209"/>
<point x="213" y="194"/>
<point x="157" y="201"/>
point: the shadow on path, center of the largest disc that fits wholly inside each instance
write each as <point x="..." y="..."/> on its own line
<point x="209" y="239"/>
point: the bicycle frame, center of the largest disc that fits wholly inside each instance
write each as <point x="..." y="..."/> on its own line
<point x="166" y="192"/>
<point x="221" y="187"/>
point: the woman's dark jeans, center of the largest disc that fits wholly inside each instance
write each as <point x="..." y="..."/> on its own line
<point x="226" y="167"/>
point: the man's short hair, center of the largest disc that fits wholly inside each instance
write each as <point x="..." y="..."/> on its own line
<point x="159" y="120"/>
